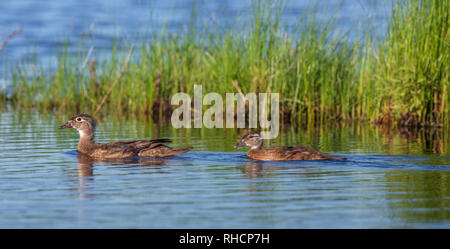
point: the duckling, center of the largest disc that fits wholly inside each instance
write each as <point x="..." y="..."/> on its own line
<point x="85" y="125"/>
<point x="280" y="153"/>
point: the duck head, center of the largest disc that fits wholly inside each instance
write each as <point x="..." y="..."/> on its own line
<point x="83" y="123"/>
<point x="253" y="140"/>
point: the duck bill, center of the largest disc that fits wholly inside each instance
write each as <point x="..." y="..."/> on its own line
<point x="240" y="144"/>
<point x="66" y="125"/>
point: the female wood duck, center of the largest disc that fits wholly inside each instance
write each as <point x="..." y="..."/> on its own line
<point x="85" y="125"/>
<point x="280" y="153"/>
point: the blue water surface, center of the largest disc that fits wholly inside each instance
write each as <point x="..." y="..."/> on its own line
<point x="44" y="183"/>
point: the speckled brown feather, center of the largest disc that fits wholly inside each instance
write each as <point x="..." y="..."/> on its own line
<point x="286" y="153"/>
<point x="124" y="149"/>
<point x="162" y="150"/>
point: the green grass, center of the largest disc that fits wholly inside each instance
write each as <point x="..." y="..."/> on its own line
<point x="410" y="69"/>
<point x="321" y="78"/>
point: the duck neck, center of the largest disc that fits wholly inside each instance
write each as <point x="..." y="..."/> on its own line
<point x="257" y="146"/>
<point x="86" y="141"/>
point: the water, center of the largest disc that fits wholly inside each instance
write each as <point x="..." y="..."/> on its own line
<point x="392" y="179"/>
<point x="388" y="181"/>
<point x="48" y="24"/>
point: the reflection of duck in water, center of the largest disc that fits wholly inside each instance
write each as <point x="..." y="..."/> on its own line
<point x="86" y="164"/>
<point x="259" y="169"/>
<point x="85" y="124"/>
<point x="86" y="168"/>
<point x="252" y="170"/>
<point x="280" y="153"/>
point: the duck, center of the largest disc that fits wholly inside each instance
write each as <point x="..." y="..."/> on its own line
<point x="280" y="153"/>
<point x="85" y="125"/>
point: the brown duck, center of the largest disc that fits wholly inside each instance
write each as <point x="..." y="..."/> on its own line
<point x="85" y="125"/>
<point x="280" y="153"/>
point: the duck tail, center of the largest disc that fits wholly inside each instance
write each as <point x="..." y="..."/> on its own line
<point x="162" y="140"/>
<point x="163" y="151"/>
<point x="338" y="158"/>
<point x="176" y="151"/>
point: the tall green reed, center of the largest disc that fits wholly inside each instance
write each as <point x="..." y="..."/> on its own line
<point x="409" y="70"/>
<point x="321" y="77"/>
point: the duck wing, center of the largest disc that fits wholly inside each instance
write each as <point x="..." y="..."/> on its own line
<point x="305" y="153"/>
<point x="141" y="148"/>
<point x="140" y="144"/>
<point x="113" y="150"/>
<point x="161" y="150"/>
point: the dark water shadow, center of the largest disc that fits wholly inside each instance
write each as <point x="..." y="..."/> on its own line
<point x="267" y="169"/>
<point x="256" y="168"/>
<point x="87" y="165"/>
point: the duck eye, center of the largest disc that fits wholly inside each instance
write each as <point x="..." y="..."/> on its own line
<point x="78" y="119"/>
